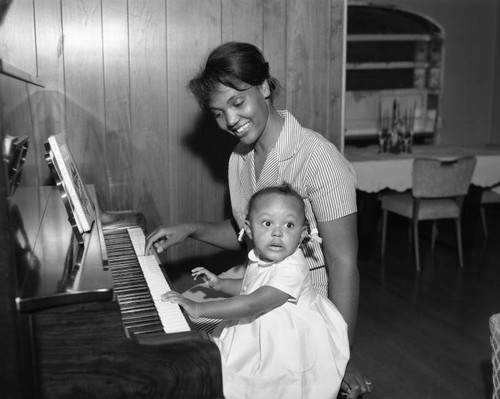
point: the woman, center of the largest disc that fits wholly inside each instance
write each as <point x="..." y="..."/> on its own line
<point x="237" y="88"/>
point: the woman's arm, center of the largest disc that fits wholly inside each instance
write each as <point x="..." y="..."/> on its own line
<point x="219" y="234"/>
<point x="258" y="302"/>
<point x="340" y="247"/>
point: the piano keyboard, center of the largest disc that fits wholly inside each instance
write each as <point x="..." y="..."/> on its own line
<point x="138" y="284"/>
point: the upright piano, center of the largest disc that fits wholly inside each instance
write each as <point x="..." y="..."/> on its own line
<point x="80" y="314"/>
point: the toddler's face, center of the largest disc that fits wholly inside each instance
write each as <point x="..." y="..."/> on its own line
<point x="277" y="226"/>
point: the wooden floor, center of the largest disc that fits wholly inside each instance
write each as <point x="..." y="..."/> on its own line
<point x="426" y="335"/>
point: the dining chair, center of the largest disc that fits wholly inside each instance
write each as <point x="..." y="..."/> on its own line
<point x="494" y="322"/>
<point x="488" y="196"/>
<point x="438" y="189"/>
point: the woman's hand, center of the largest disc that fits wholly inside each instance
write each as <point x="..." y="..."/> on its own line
<point x="355" y="384"/>
<point x="210" y="279"/>
<point x="166" y="236"/>
<point x="190" y="306"/>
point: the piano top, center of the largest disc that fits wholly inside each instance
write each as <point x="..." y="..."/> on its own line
<point x="53" y="269"/>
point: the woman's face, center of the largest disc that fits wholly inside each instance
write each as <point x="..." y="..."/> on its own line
<point x="242" y="113"/>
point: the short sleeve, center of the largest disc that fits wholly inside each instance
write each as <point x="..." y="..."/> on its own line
<point x="331" y="182"/>
<point x="289" y="277"/>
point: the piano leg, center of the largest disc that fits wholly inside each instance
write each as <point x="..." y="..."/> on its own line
<point x="81" y="351"/>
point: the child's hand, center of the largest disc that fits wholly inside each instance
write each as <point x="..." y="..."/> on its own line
<point x="190" y="306"/>
<point x="208" y="277"/>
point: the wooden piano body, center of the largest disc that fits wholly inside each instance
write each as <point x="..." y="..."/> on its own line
<point x="61" y="331"/>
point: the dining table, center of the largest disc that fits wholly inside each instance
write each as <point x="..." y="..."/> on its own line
<point x="379" y="171"/>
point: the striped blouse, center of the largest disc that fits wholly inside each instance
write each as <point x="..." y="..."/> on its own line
<point x="314" y="167"/>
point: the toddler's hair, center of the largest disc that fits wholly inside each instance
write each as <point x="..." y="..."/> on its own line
<point x="284" y="189"/>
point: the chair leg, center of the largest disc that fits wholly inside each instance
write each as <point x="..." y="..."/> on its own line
<point x="384" y="229"/>
<point x="483" y="220"/>
<point x="434" y="234"/>
<point x="458" y="228"/>
<point x="415" y="243"/>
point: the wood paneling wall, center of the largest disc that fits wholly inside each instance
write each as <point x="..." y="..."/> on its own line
<point x="115" y="75"/>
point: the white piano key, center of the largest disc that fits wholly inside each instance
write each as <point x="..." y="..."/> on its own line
<point x="170" y="314"/>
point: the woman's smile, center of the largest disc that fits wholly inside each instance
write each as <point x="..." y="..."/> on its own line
<point x="241" y="131"/>
<point x="243" y="128"/>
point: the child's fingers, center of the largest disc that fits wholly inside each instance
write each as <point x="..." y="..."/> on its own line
<point x="204" y="273"/>
<point x="198" y="270"/>
<point x="197" y="275"/>
<point x="171" y="296"/>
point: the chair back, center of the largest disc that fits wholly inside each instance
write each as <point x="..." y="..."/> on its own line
<point x="494" y="323"/>
<point x="434" y="178"/>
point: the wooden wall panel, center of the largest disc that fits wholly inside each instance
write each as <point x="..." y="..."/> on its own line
<point x="242" y="21"/>
<point x="17" y="36"/>
<point x="117" y="82"/>
<point x="49" y="101"/>
<point x="149" y="106"/>
<point x="336" y="74"/>
<point x="84" y="85"/>
<point x="49" y="44"/>
<point x="17" y="48"/>
<point x="115" y="41"/>
<point x="274" y="45"/>
<point x="307" y="61"/>
<point x="195" y="171"/>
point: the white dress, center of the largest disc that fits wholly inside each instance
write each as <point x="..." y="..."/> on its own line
<point x="298" y="350"/>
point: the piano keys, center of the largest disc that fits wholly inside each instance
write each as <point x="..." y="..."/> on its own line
<point x="139" y="282"/>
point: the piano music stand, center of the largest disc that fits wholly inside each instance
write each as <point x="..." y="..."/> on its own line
<point x="79" y="205"/>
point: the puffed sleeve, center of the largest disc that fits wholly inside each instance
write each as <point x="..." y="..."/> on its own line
<point x="331" y="182"/>
<point x="289" y="277"/>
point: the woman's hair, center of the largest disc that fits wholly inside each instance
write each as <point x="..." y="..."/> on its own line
<point x="233" y="64"/>
<point x="284" y="189"/>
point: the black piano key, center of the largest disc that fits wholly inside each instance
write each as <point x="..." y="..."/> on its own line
<point x="126" y="274"/>
<point x="133" y="283"/>
<point x="124" y="293"/>
<point x="141" y="318"/>
<point x="142" y="313"/>
<point x="145" y="316"/>
<point x="129" y="280"/>
<point x="137" y="306"/>
<point x="140" y="297"/>
<point x="126" y="271"/>
<point x="123" y="265"/>
<point x="130" y="290"/>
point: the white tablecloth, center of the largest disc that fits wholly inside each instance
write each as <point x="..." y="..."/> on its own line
<point x="377" y="171"/>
